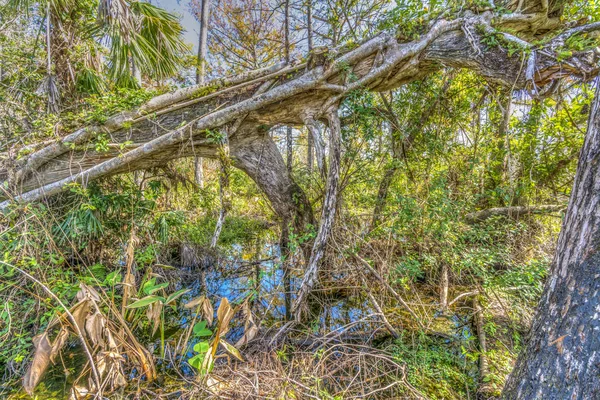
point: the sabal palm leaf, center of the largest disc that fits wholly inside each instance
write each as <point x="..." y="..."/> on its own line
<point x="162" y="32"/>
<point x="145" y="35"/>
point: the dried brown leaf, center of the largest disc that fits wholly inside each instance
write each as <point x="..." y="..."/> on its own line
<point x="45" y="352"/>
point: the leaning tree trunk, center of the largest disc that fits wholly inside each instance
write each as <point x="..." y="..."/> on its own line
<point x="327" y="217"/>
<point x="562" y="356"/>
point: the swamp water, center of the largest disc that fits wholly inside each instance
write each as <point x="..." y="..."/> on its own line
<point x="261" y="283"/>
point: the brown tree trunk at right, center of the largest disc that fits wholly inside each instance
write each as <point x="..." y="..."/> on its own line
<point x="562" y="357"/>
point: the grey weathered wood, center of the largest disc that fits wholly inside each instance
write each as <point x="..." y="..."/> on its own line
<point x="380" y="63"/>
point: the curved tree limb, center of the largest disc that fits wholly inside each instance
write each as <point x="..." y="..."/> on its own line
<point x="379" y="64"/>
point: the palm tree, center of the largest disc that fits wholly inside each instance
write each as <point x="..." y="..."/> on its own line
<point x="142" y="40"/>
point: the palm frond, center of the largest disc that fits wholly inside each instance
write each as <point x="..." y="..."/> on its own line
<point x="143" y="35"/>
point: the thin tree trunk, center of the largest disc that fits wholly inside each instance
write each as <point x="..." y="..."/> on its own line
<point x="202" y="42"/>
<point x="309" y="27"/>
<point x="562" y="357"/>
<point x="315" y="132"/>
<point x="284" y="240"/>
<point x="309" y="151"/>
<point x="289" y="148"/>
<point x="201" y="76"/>
<point x="284" y="249"/>
<point x="199" y="171"/>
<point x="309" y="35"/>
<point x="51" y="88"/>
<point x="224" y="163"/>
<point x="444" y="283"/>
<point x="286" y="49"/>
<point x="327" y="216"/>
<point x="484" y="370"/>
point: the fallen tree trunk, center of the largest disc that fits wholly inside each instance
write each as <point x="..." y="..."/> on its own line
<point x="513" y="212"/>
<point x="174" y="125"/>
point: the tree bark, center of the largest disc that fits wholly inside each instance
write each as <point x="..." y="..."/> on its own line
<point x="562" y="357"/>
<point x="444" y="284"/>
<point x="484" y="389"/>
<point x="199" y="171"/>
<point x="309" y="151"/>
<point x="224" y="197"/>
<point x="327" y="216"/>
<point x="202" y="42"/>
<point x="309" y="36"/>
<point x="201" y="75"/>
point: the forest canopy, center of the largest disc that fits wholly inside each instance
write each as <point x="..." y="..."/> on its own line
<point x="316" y="199"/>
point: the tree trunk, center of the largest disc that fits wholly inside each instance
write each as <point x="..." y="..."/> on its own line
<point x="258" y="156"/>
<point x="484" y="389"/>
<point x="202" y="42"/>
<point x="284" y="248"/>
<point x="201" y="75"/>
<point x="199" y="171"/>
<point x="444" y="284"/>
<point x="309" y="36"/>
<point x="309" y="151"/>
<point x="512" y="212"/>
<point x="562" y="357"/>
<point x="327" y="217"/>
<point x="289" y="148"/>
<point x="224" y="197"/>
<point x="315" y="133"/>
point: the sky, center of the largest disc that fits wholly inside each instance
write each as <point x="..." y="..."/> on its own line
<point x="181" y="8"/>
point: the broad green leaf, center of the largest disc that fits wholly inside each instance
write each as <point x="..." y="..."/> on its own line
<point x="201" y="330"/>
<point x="197" y="360"/>
<point x="148" y="285"/>
<point x="174" y="296"/>
<point x="156" y="288"/>
<point x="201" y="347"/>
<point x="113" y="278"/>
<point x="145" y="301"/>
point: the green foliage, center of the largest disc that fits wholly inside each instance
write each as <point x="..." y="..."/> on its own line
<point x="237" y="230"/>
<point x="437" y="369"/>
<point x="200" y="329"/>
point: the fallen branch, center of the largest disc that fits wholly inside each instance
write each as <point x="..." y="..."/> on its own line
<point x="513" y="212"/>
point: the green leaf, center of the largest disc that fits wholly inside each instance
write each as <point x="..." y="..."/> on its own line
<point x="148" y="285"/>
<point x="174" y="296"/>
<point x="197" y="360"/>
<point x="145" y="301"/>
<point x="156" y="288"/>
<point x="113" y="278"/>
<point x="201" y="330"/>
<point x="201" y="347"/>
